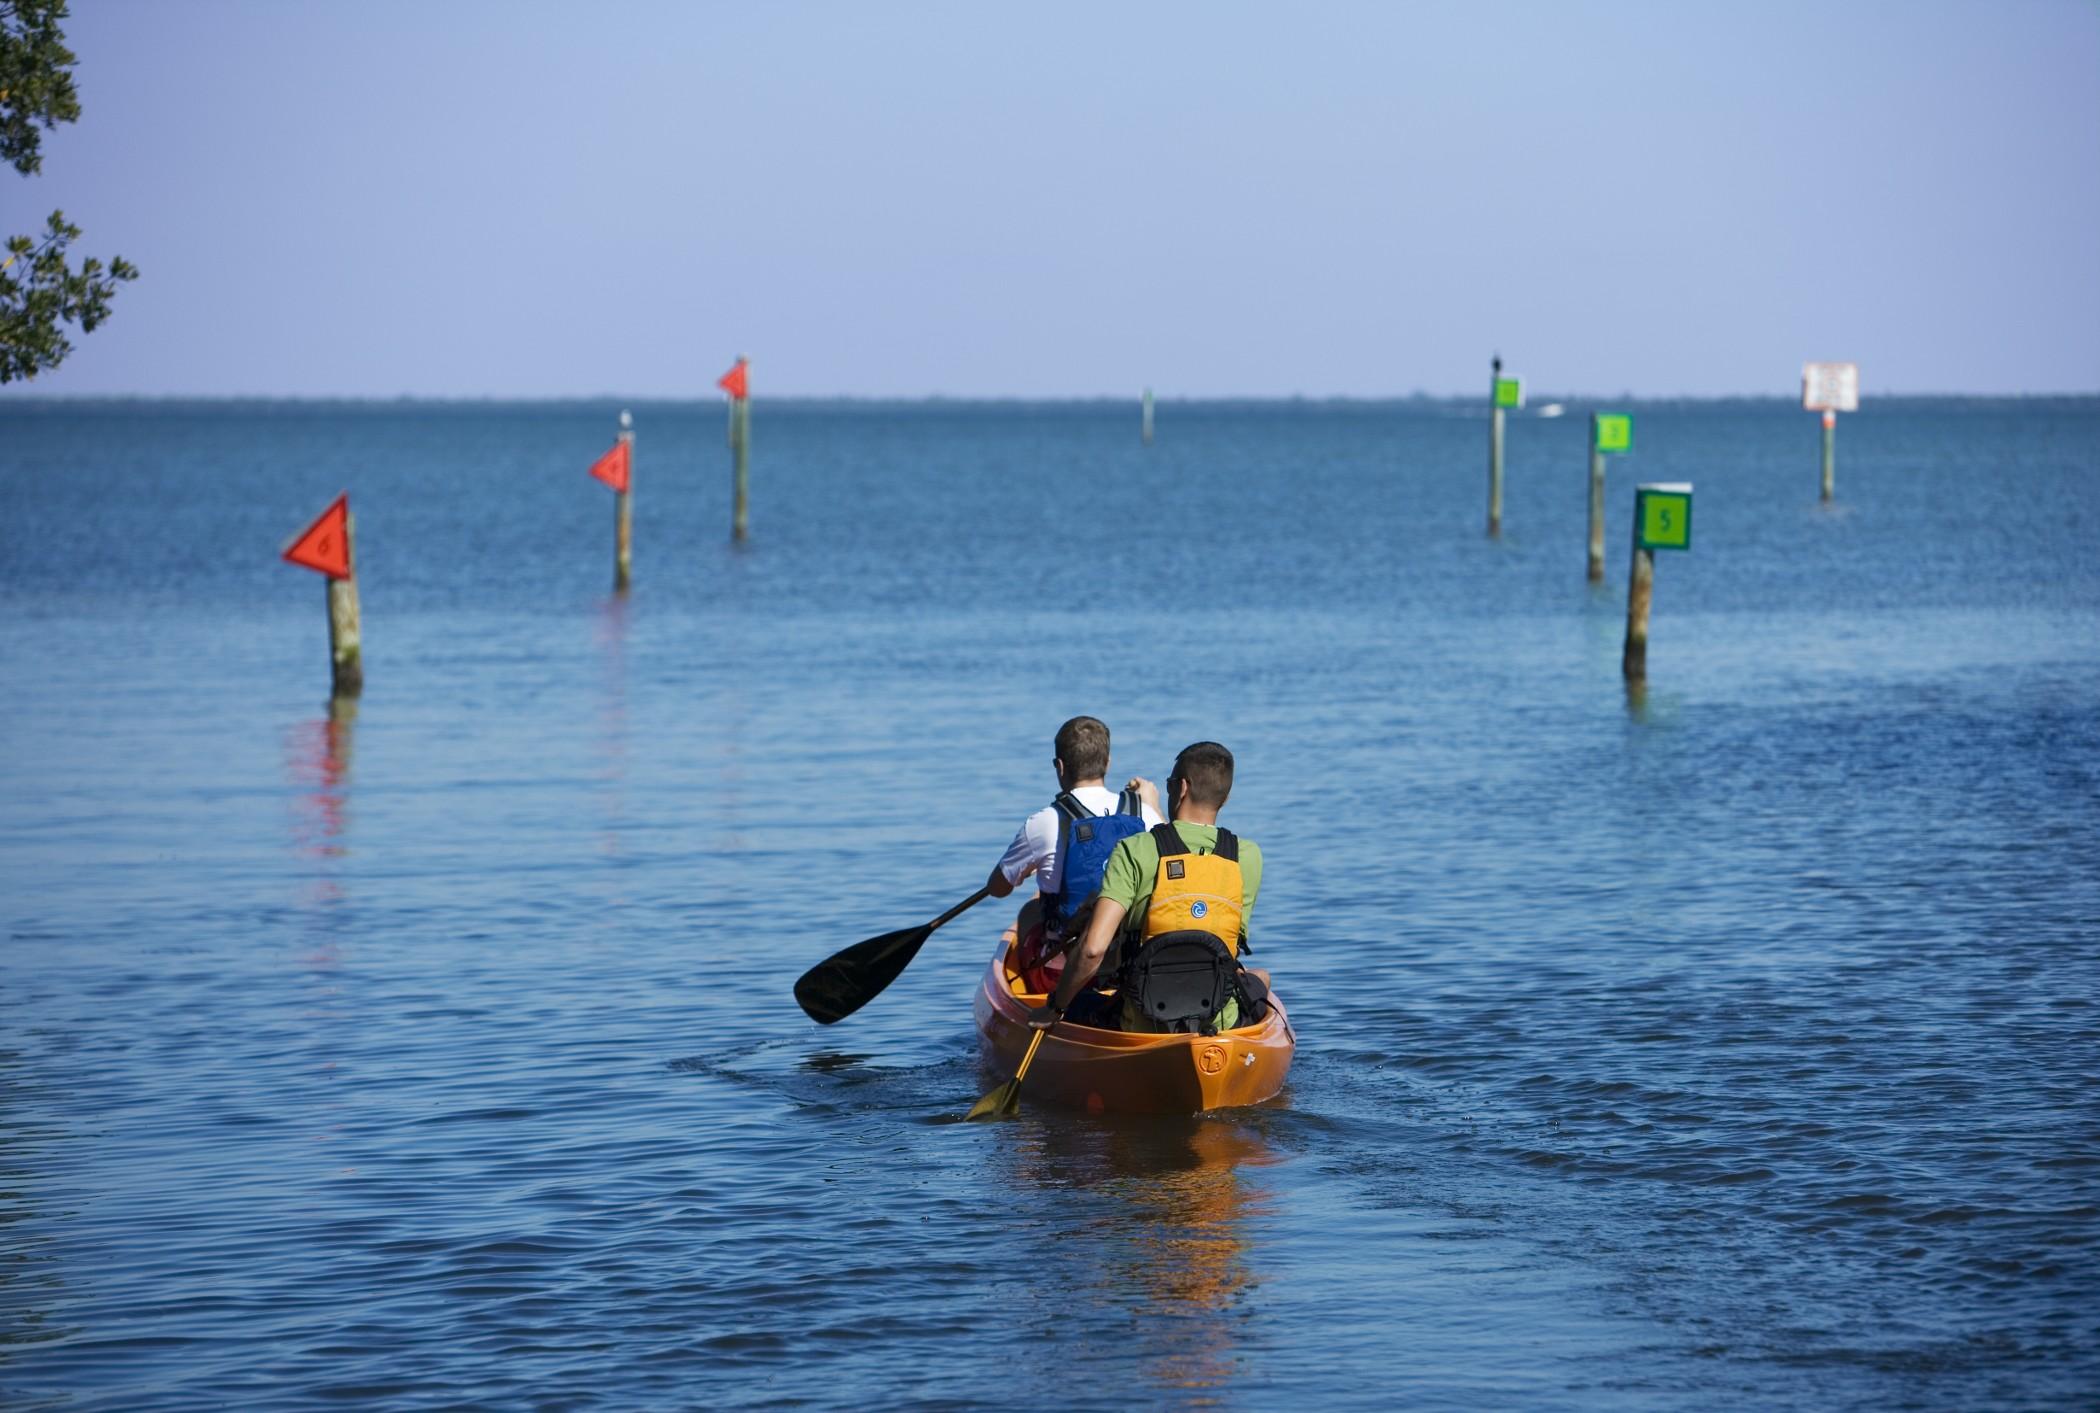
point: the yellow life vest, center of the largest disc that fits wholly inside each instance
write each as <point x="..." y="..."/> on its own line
<point x="1197" y="892"/>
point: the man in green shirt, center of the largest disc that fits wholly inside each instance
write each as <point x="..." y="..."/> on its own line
<point x="1212" y="891"/>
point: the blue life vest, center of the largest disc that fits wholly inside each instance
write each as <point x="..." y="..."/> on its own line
<point x="1084" y="842"/>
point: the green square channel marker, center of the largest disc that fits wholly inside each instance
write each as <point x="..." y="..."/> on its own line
<point x="1614" y="431"/>
<point x="1664" y="515"/>
<point x="1509" y="392"/>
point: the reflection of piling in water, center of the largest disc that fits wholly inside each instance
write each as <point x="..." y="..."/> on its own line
<point x="1146" y="432"/>
<point x="345" y="631"/>
<point x="338" y="739"/>
<point x="320" y="768"/>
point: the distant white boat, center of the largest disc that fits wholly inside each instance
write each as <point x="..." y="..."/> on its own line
<point x="1552" y="409"/>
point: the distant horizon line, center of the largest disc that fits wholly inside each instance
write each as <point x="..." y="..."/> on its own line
<point x="1533" y="403"/>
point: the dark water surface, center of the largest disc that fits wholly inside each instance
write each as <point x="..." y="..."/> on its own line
<point x="1736" y="1046"/>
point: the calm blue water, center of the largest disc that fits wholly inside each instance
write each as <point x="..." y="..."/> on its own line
<point x="1736" y="1045"/>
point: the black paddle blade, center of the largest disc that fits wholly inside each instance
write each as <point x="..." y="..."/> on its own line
<point x="844" y="982"/>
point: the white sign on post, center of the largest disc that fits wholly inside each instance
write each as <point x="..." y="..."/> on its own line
<point x="1830" y="387"/>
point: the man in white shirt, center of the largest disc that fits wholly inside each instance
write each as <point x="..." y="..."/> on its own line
<point x="1081" y="762"/>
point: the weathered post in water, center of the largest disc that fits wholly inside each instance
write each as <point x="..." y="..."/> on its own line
<point x="1640" y="594"/>
<point x="346" y="645"/>
<point x="1609" y="432"/>
<point x="1504" y="394"/>
<point x="737" y="383"/>
<point x="741" y="526"/>
<point x="1146" y="433"/>
<point x="328" y="546"/>
<point x="616" y="469"/>
<point x="623" y="510"/>
<point x="1830" y="437"/>
<point x="1830" y="388"/>
<point x="1662" y="519"/>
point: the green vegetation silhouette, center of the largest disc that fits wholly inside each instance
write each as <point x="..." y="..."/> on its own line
<point x="40" y="291"/>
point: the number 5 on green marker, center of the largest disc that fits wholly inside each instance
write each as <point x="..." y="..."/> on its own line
<point x="1665" y="517"/>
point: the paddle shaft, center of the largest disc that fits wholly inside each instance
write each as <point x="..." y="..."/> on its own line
<point x="964" y="906"/>
<point x="1034" y="1043"/>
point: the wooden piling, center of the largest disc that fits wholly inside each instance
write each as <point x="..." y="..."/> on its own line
<point x="1495" y="450"/>
<point x="742" y="439"/>
<point x="345" y="638"/>
<point x="1640" y="590"/>
<point x="1662" y="519"/>
<point x="1830" y="431"/>
<point x="1596" y="571"/>
<point x="623" y="513"/>
<point x="1147" y="431"/>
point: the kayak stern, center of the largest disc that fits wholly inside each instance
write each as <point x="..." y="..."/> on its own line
<point x="1119" y="1072"/>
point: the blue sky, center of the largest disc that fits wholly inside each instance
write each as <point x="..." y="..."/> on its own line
<point x="522" y="199"/>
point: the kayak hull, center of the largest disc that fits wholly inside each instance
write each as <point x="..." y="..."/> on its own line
<point x="1116" y="1072"/>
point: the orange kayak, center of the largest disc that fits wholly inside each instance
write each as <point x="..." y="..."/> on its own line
<point x="1117" y="1072"/>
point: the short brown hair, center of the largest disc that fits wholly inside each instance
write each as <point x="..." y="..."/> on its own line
<point x="1082" y="744"/>
<point x="1207" y="767"/>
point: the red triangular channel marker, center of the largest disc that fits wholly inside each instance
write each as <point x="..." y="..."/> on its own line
<point x="325" y="544"/>
<point x="734" y="382"/>
<point x="611" y="468"/>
